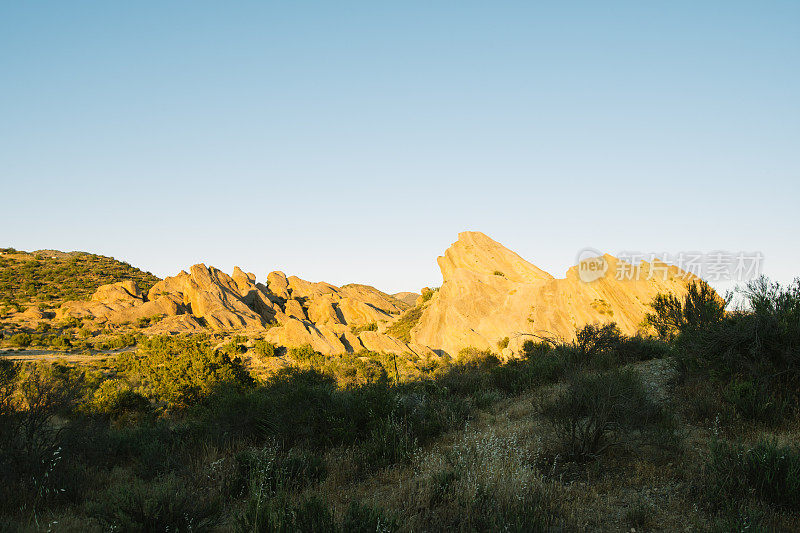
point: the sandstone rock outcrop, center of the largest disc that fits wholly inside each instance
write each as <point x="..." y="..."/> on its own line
<point x="106" y="301"/>
<point x="125" y="291"/>
<point x="489" y="293"/>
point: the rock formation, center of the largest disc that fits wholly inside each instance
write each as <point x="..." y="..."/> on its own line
<point x="489" y="293"/>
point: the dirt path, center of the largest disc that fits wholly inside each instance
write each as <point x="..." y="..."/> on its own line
<point x="656" y="375"/>
<point x="51" y="356"/>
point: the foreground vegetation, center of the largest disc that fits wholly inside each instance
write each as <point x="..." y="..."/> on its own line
<point x="694" y="427"/>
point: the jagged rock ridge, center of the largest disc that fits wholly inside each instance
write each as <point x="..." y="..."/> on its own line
<point x="488" y="293"/>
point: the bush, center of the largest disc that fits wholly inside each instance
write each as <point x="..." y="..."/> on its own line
<point x="428" y="293"/>
<point x="60" y="342"/>
<point x="307" y="354"/>
<point x="532" y="348"/>
<point x="264" y="349"/>
<point x="116" y="399"/>
<point x="541" y="365"/>
<point x="402" y="328"/>
<point x="700" y="307"/>
<point x="598" y="411"/>
<point x="767" y="471"/>
<point x="116" y="342"/>
<point x="372" y="326"/>
<point x="593" y="340"/>
<point x="640" y="348"/>
<point x="32" y="398"/>
<point x="183" y="370"/>
<point x="471" y="375"/>
<point x="270" y="471"/>
<point x="166" y="503"/>
<point x="755" y="352"/>
<point x="20" y="339"/>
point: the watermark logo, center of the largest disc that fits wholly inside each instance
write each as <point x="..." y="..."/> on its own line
<point x="712" y="266"/>
<point x="591" y="265"/>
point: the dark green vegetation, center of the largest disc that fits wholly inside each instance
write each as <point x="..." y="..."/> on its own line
<point x="179" y="435"/>
<point x="50" y="278"/>
<point x="69" y="336"/>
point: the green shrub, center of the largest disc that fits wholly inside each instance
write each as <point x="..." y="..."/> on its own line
<point x="593" y="340"/>
<point x="269" y="471"/>
<point x="471" y="374"/>
<point x="116" y="399"/>
<point x="598" y="411"/>
<point x="766" y="471"/>
<point x="503" y="343"/>
<point x="747" y="399"/>
<point x="531" y="348"/>
<point x="372" y="326"/>
<point x="20" y="339"/>
<point x="640" y="348"/>
<point x="32" y="399"/>
<point x="233" y="349"/>
<point x="166" y="503"/>
<point x="60" y="342"/>
<point x="700" y="307"/>
<point x="758" y="349"/>
<point x="116" y="342"/>
<point x="307" y="354"/>
<point x="428" y="293"/>
<point x="264" y="349"/>
<point x="402" y="328"/>
<point x="183" y="370"/>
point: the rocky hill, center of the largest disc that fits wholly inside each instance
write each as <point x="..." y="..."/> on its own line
<point x="490" y="298"/>
<point x="49" y="277"/>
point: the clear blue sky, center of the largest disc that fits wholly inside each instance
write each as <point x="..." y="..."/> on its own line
<point x="351" y="142"/>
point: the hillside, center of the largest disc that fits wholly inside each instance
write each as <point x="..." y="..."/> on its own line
<point x="51" y="277"/>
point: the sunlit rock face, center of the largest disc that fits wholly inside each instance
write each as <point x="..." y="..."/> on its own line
<point x="489" y="292"/>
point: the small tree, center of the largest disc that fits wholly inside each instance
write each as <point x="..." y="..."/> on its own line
<point x="701" y="306"/>
<point x="594" y="339"/>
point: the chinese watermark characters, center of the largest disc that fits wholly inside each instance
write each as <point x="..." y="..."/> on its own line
<point x="718" y="265"/>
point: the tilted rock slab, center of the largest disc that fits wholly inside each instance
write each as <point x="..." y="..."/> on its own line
<point x="489" y="293"/>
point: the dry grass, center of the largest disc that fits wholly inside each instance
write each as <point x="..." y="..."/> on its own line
<point x="507" y="450"/>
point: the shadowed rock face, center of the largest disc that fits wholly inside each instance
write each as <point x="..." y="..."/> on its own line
<point x="489" y="293"/>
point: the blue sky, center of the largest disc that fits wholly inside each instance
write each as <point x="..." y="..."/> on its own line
<point x="351" y="142"/>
